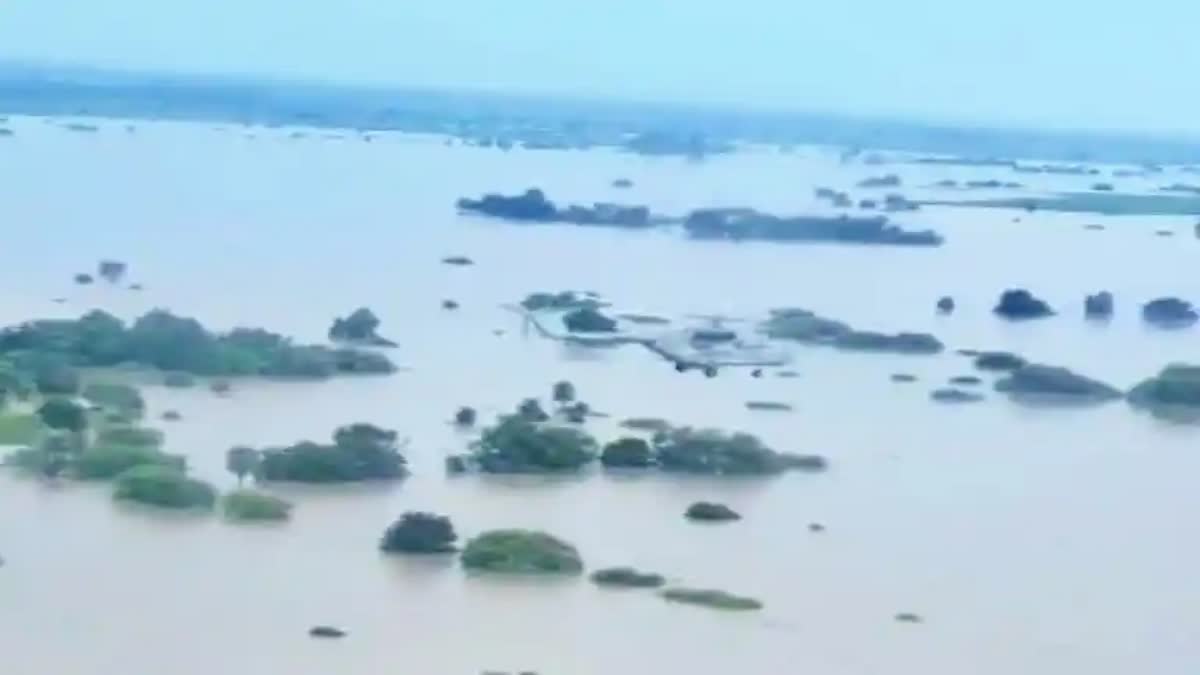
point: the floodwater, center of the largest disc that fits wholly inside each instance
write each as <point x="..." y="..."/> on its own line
<point x="1031" y="541"/>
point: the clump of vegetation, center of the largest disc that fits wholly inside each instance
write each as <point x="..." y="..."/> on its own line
<point x="417" y="532"/>
<point x="171" y="343"/>
<point x="631" y="453"/>
<point x="171" y="416"/>
<point x="457" y="260"/>
<point x="465" y="417"/>
<point x="576" y="413"/>
<point x="768" y="406"/>
<point x="531" y="410"/>
<point x="966" y="380"/>
<point x="521" y="552"/>
<point x="63" y="414"/>
<point x="359" y="452"/>
<point x="1034" y="381"/>
<point x="105" y="462"/>
<point x="19" y="429"/>
<point x="900" y="343"/>
<point x="360" y="328"/>
<point x="242" y="461"/>
<point x="999" y="361"/>
<point x="164" y="487"/>
<point x="1174" y="393"/>
<point x="903" y="378"/>
<point x="516" y="444"/>
<point x="252" y="505"/>
<point x="711" y="512"/>
<point x="1170" y="313"/>
<point x="711" y="598"/>
<point x="117" y="397"/>
<point x="627" y="577"/>
<point x="1019" y="303"/>
<point x="112" y="271"/>
<point x="710" y="451"/>
<point x="954" y="395"/>
<point x="563" y="392"/>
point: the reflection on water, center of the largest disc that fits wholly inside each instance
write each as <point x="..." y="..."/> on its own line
<point x="1034" y="541"/>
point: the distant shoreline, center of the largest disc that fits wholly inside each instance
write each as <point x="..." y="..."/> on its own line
<point x="538" y="122"/>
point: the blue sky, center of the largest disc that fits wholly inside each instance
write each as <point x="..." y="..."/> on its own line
<point x="1100" y="64"/>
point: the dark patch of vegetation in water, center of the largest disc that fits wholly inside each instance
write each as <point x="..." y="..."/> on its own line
<point x="886" y="181"/>
<point x="533" y="207"/>
<point x="627" y="453"/>
<point x="1019" y="303"/>
<point x="945" y="305"/>
<point x="660" y="142"/>
<point x="521" y="552"/>
<point x="769" y="406"/>
<point x="708" y="451"/>
<point x="172" y="343"/>
<point x="622" y="183"/>
<point x="1099" y="305"/>
<point x="465" y="417"/>
<point x="711" y="512"/>
<point x="359" y="328"/>
<point x="117" y="397"/>
<point x="420" y="533"/>
<point x="105" y="462"/>
<point x="112" y="271"/>
<point x="1037" y="383"/>
<point x="966" y="380"/>
<point x="164" y="487"/>
<point x="627" y="577"/>
<point x="516" y="444"/>
<point x="998" y="361"/>
<point x="359" y="452"/>
<point x="1169" y="313"/>
<point x="713" y="599"/>
<point x="1173" y="394"/>
<point x="743" y="224"/>
<point x="900" y="343"/>
<point x="255" y="506"/>
<point x="457" y="261"/>
<point x="952" y="395"/>
<point x="903" y="378"/>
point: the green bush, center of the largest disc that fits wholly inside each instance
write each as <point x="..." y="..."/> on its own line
<point x="117" y="397"/>
<point x="710" y="511"/>
<point x="63" y="415"/>
<point x="104" y="462"/>
<point x="164" y="487"/>
<point x="418" y="532"/>
<point x="517" y="445"/>
<point x="251" y="505"/>
<point x="627" y="453"/>
<point x="360" y="452"/>
<point x="521" y="552"/>
<point x="20" y="429"/>
<point x="627" y="577"/>
<point x="708" y="451"/>
<point x="711" y="598"/>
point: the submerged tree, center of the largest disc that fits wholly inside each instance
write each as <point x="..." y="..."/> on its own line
<point x="242" y="461"/>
